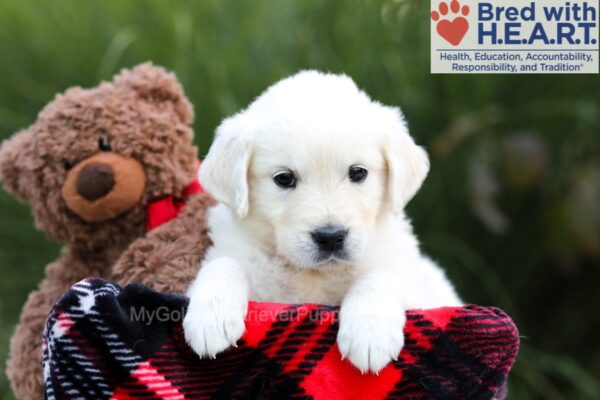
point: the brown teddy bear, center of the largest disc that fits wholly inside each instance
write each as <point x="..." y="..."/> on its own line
<point x="91" y="166"/>
<point x="167" y="258"/>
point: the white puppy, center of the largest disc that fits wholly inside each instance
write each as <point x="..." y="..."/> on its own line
<point x="312" y="178"/>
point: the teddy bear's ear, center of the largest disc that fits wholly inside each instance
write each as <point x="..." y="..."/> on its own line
<point x="17" y="160"/>
<point x="155" y="84"/>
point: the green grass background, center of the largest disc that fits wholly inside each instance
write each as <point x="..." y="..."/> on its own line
<point x="512" y="205"/>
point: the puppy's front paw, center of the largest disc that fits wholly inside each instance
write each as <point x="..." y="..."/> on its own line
<point x="213" y="325"/>
<point x="370" y="339"/>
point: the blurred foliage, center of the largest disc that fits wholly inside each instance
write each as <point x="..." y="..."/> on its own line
<point x="511" y="207"/>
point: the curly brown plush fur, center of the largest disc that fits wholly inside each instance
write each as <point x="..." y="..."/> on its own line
<point x="142" y="118"/>
<point x="168" y="258"/>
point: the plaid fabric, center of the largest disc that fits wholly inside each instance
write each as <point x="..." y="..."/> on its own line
<point x="104" y="342"/>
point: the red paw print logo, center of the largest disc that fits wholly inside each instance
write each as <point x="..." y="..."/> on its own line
<point x="453" y="30"/>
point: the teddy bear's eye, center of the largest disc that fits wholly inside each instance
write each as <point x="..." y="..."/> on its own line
<point x="104" y="144"/>
<point x="68" y="164"/>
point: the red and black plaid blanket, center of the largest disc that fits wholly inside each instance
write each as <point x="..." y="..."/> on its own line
<point x="105" y="342"/>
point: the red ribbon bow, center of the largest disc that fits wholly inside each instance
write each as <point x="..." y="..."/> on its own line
<point x="169" y="207"/>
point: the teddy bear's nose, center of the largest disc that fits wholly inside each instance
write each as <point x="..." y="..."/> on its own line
<point x="95" y="180"/>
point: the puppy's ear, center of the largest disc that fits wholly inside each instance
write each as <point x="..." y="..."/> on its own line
<point x="224" y="171"/>
<point x="407" y="163"/>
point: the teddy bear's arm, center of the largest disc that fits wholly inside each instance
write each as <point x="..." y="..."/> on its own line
<point x="168" y="257"/>
<point x="24" y="368"/>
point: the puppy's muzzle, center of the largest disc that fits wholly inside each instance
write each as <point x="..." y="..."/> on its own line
<point x="330" y="239"/>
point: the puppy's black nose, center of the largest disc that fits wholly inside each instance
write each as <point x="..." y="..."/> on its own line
<point x="330" y="238"/>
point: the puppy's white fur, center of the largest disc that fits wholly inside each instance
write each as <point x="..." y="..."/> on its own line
<point x="318" y="126"/>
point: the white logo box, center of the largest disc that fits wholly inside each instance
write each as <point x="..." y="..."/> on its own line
<point x="514" y="36"/>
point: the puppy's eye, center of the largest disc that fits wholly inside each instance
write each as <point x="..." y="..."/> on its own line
<point x="68" y="164"/>
<point x="285" y="179"/>
<point x="104" y="144"/>
<point x="357" y="173"/>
